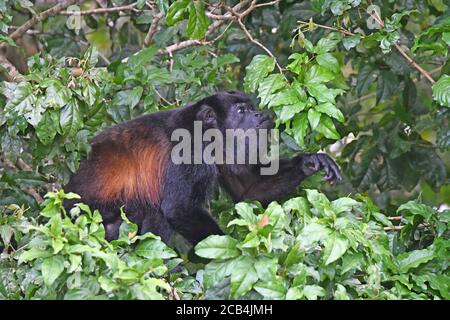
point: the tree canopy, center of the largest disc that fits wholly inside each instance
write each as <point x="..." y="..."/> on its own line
<point x="366" y="81"/>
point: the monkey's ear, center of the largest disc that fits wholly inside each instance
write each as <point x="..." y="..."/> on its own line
<point x="207" y="115"/>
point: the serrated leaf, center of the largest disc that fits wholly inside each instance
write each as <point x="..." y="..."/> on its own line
<point x="270" y="85"/>
<point x="318" y="74"/>
<point x="441" y="91"/>
<point x="257" y="70"/>
<point x="328" y="61"/>
<point x="327" y="128"/>
<point x="331" y="110"/>
<point x="70" y="118"/>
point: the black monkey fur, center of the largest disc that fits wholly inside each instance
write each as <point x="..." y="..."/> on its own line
<point x="129" y="164"/>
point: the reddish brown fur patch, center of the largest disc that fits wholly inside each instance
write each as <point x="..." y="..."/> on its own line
<point x="131" y="172"/>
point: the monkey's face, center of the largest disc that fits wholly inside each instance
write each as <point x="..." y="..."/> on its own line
<point x="232" y="110"/>
<point x="240" y="113"/>
<point x="234" y="114"/>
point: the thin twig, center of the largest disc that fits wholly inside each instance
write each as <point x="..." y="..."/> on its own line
<point x="9" y="70"/>
<point x="250" y="37"/>
<point x="40" y="17"/>
<point x="190" y="43"/>
<point x="403" y="53"/>
<point x="153" y="28"/>
<point x="240" y="16"/>
<point x="99" y="10"/>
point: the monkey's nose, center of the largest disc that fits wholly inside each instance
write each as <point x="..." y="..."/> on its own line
<point x="263" y="116"/>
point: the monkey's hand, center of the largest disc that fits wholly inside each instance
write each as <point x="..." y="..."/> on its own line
<point x="311" y="163"/>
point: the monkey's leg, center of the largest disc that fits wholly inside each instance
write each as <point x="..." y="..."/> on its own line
<point x="194" y="224"/>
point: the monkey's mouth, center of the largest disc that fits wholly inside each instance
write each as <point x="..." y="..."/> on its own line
<point x="265" y="124"/>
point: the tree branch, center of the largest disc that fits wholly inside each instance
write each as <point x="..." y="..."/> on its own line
<point x="10" y="71"/>
<point x="153" y="28"/>
<point x="403" y="53"/>
<point x="217" y="23"/>
<point x="99" y="10"/>
<point x="41" y="16"/>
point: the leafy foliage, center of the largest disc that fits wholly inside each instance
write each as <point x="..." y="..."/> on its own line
<point x="371" y="87"/>
<point x="310" y="247"/>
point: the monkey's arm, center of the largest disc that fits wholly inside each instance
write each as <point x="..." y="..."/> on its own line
<point x="267" y="188"/>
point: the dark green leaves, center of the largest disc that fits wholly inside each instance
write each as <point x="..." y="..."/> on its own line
<point x="70" y="118"/>
<point x="177" y="11"/>
<point x="257" y="70"/>
<point x="441" y="91"/>
<point x="197" y="19"/>
<point x="198" y="22"/>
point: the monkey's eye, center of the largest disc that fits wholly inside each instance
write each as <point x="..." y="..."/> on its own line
<point x="241" y="109"/>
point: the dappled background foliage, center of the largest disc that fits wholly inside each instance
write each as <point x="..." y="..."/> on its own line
<point x="366" y="81"/>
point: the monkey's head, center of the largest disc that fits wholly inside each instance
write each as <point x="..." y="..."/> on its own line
<point x="232" y="110"/>
<point x="249" y="126"/>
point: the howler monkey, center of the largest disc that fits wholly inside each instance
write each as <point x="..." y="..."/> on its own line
<point x="130" y="164"/>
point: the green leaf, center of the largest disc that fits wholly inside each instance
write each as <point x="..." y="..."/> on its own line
<point x="386" y="85"/>
<point x="33" y="254"/>
<point x="154" y="249"/>
<point x="409" y="260"/>
<point x="415" y="208"/>
<point x="243" y="277"/>
<point x="70" y="118"/>
<point x="284" y="97"/>
<point x="335" y="247"/>
<point x="318" y="74"/>
<point x="217" y="271"/>
<point x="322" y="93"/>
<point x="198" y="21"/>
<point x="352" y="261"/>
<point x="351" y="41"/>
<point x="300" y="127"/>
<point x="257" y="70"/>
<point x="314" y="118"/>
<point x="218" y="247"/>
<point x="274" y="289"/>
<point x="52" y="267"/>
<point x="312" y="233"/>
<point x="177" y="11"/>
<point x="331" y="110"/>
<point x="327" y="128"/>
<point x="326" y="44"/>
<point x="48" y="127"/>
<point x="270" y="85"/>
<point x="329" y="62"/>
<point x="141" y="58"/>
<point x="317" y="199"/>
<point x="299" y="59"/>
<point x="343" y="204"/>
<point x="312" y="292"/>
<point x="441" y="91"/>
<point x="245" y="210"/>
<point x="289" y="111"/>
<point x="341" y="293"/>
